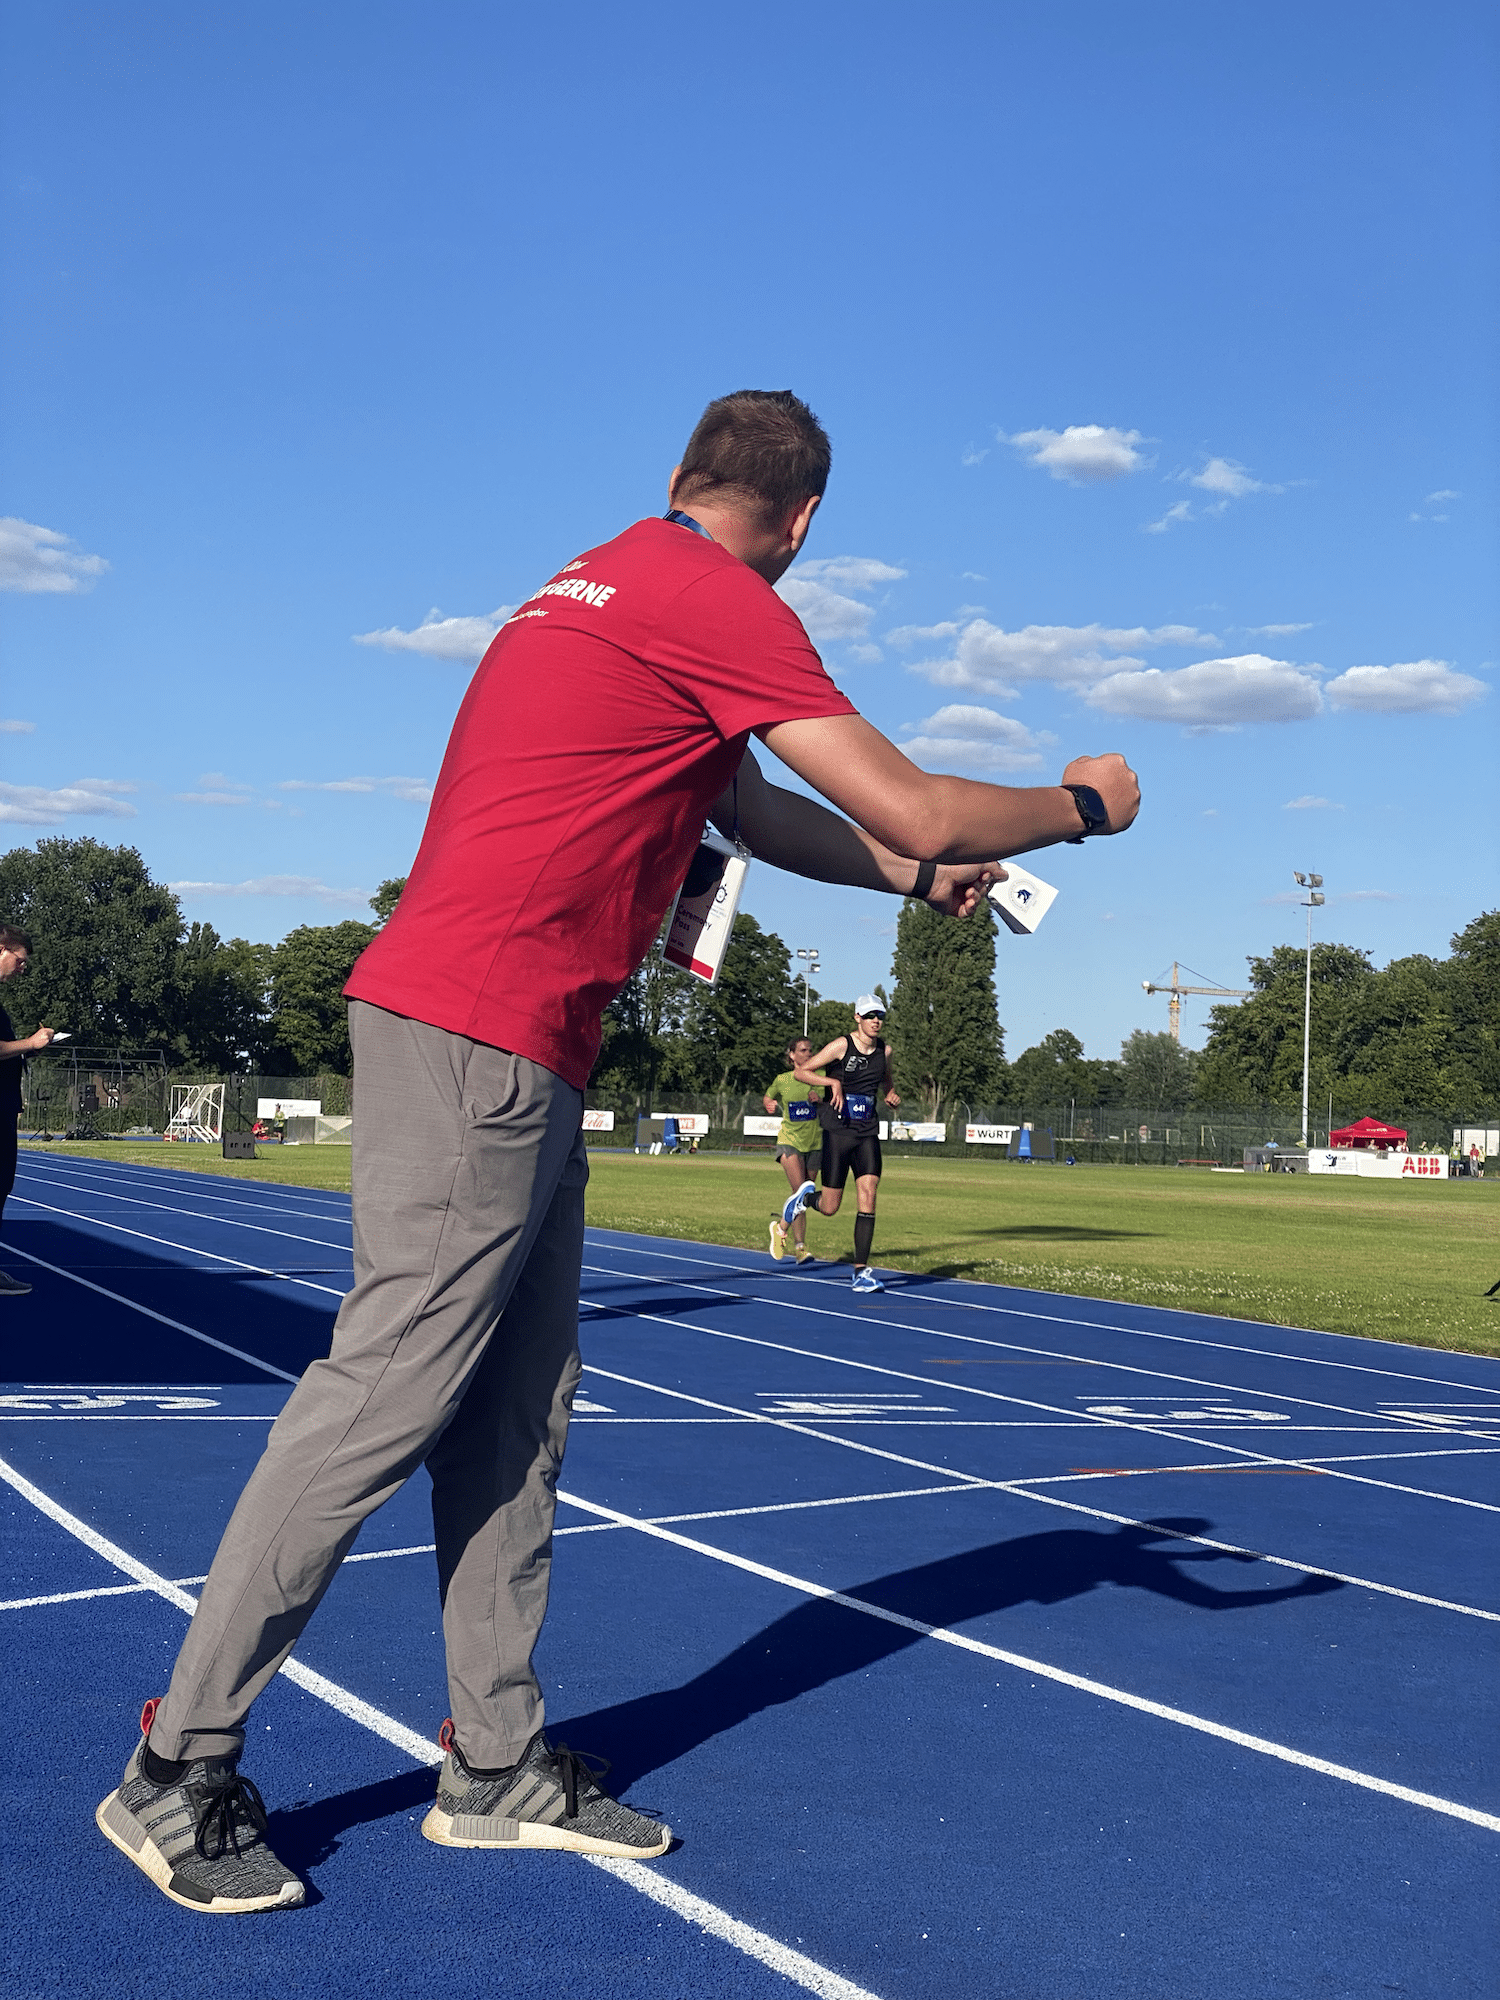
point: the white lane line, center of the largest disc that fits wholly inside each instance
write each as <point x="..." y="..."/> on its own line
<point x="756" y="1275"/>
<point x="1043" y="1353"/>
<point x="1174" y="1435"/>
<point x="971" y="1483"/>
<point x="195" y="1186"/>
<point x="183" y="1215"/>
<point x="190" y="1249"/>
<point x="771" y="1952"/>
<point x="1100" y="1689"/>
<point x="11" y="1250"/>
<point x="431" y="1549"/>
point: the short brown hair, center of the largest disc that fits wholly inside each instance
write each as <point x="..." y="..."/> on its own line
<point x="762" y="447"/>
<point x="13" y="940"/>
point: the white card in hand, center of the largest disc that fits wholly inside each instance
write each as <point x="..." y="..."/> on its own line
<point x="1021" y="900"/>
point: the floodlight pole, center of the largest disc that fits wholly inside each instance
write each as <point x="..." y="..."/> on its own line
<point x="1312" y="884"/>
<point x="809" y="955"/>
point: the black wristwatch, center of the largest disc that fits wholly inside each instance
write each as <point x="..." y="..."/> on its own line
<point x="1090" y="811"/>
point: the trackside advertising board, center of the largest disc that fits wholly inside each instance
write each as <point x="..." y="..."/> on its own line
<point x="989" y="1135"/>
<point x="598" y="1121"/>
<point x="1380" y="1166"/>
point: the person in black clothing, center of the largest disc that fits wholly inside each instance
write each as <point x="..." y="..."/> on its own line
<point x="15" y="955"/>
<point x="860" y="1066"/>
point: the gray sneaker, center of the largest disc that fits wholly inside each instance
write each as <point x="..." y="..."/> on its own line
<point x="199" y="1837"/>
<point x="549" y="1799"/>
<point x="12" y="1288"/>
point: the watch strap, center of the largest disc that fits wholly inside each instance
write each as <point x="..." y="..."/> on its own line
<point x="1091" y="811"/>
<point x="926" y="876"/>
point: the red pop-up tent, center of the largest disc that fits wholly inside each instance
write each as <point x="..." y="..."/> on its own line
<point x="1368" y="1132"/>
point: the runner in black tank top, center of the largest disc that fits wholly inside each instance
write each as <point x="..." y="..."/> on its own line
<point x="857" y="1071"/>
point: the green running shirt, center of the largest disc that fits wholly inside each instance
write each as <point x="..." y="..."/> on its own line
<point x="799" y="1128"/>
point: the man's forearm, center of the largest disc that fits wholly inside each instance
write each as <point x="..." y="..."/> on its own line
<point x="937" y="818"/>
<point x="798" y="834"/>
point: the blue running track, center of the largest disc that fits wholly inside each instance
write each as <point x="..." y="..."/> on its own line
<point x="979" y="1644"/>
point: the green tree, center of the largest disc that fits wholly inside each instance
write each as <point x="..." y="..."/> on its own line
<point x="223" y="1000"/>
<point x="386" y="897"/>
<point x="945" y="1032"/>
<point x="734" y="1034"/>
<point x="1057" y="1072"/>
<point x="1156" y="1073"/>
<point x="309" y="1015"/>
<point x="1254" y="1049"/>
<point x="105" y="943"/>
<point x="826" y="1019"/>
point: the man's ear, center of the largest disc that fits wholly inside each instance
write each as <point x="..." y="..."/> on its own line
<point x="800" y="521"/>
<point x="672" y="485"/>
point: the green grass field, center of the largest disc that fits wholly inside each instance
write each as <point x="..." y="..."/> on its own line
<point x="1368" y="1257"/>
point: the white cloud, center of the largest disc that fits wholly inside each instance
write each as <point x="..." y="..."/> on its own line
<point x="17" y="728"/>
<point x="991" y="661"/>
<point x="277" y="885"/>
<point x="1229" y="480"/>
<point x="1212" y="694"/>
<point x="849" y="572"/>
<point x="214" y="789"/>
<point x="441" y="638"/>
<point x="1310" y="803"/>
<point x="1180" y="510"/>
<point x="826" y="614"/>
<point x="816" y="592"/>
<point x="1445" y="493"/>
<point x="865" y="655"/>
<point x="415" y="790"/>
<point x="37" y="805"/>
<point x="1415" y="687"/>
<point x="1275" y="631"/>
<point x="1084" y="454"/>
<point x="976" y="739"/>
<point x="34" y="559"/>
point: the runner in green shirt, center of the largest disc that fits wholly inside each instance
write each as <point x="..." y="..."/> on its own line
<point x="798" y="1143"/>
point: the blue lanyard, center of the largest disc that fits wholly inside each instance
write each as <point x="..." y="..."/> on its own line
<point x="686" y="521"/>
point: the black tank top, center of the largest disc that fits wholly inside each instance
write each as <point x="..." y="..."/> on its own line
<point x="863" y="1078"/>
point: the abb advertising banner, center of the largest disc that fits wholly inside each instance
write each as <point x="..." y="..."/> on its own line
<point x="1380" y="1166"/>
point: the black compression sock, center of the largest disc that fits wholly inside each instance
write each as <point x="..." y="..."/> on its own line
<point x="864" y="1236"/>
<point x="161" y="1770"/>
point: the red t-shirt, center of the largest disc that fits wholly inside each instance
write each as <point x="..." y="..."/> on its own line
<point x="607" y="716"/>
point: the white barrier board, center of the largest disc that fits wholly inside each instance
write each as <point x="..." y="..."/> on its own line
<point x="927" y="1133"/>
<point x="761" y="1128"/>
<point x="990" y="1135"/>
<point x="691" y="1124"/>
<point x="1369" y="1166"/>
<point x="289" y="1107"/>
<point x="598" y="1121"/>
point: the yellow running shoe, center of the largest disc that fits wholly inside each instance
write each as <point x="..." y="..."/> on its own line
<point x="778" y="1238"/>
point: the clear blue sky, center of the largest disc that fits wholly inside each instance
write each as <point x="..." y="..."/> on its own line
<point x="1157" y="345"/>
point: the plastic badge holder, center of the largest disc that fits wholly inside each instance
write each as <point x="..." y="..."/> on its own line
<point x="703" y="915"/>
<point x="1021" y="900"/>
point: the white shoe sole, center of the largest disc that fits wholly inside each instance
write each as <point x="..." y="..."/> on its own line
<point x="464" y="1830"/>
<point x="149" y="1858"/>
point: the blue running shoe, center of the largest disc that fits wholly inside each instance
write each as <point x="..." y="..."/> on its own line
<point x="795" y="1204"/>
<point x="865" y="1280"/>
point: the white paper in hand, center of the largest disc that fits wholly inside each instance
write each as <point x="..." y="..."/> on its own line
<point x="1021" y="900"/>
<point x="703" y="915"/>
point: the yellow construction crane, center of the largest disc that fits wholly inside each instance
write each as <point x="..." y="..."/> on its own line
<point x="1176" y="989"/>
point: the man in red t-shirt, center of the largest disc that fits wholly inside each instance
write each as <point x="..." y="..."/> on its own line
<point x="610" y="716"/>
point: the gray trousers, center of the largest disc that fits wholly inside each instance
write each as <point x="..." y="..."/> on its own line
<point x="458" y="1346"/>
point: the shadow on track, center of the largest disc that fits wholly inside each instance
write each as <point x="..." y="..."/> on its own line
<point x="818" y="1642"/>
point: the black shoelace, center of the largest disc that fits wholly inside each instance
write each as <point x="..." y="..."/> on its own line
<point x="231" y="1803"/>
<point x="570" y="1763"/>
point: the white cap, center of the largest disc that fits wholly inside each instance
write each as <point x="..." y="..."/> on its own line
<point x="869" y="1003"/>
